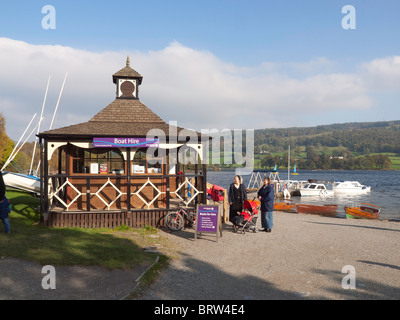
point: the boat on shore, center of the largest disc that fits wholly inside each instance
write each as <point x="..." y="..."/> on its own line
<point x="315" y="189"/>
<point x="364" y="211"/>
<point x="284" y="206"/>
<point x="349" y="187"/>
<point x="22" y="182"/>
<point x="324" y="210"/>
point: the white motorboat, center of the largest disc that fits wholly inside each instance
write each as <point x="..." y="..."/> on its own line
<point x="21" y="182"/>
<point x="315" y="189"/>
<point x="350" y="187"/>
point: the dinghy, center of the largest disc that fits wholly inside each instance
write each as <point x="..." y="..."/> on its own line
<point x="284" y="206"/>
<point x="22" y="182"/>
<point x="324" y="210"/>
<point x="365" y="211"/>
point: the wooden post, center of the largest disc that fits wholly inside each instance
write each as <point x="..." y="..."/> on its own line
<point x="196" y="181"/>
<point x="168" y="195"/>
<point x="45" y="168"/>
<point x="204" y="183"/>
<point x="226" y="207"/>
<point x="42" y="195"/>
<point x="88" y="194"/>
<point x="128" y="178"/>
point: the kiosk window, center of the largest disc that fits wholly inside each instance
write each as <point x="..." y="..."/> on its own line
<point x="97" y="160"/>
<point x="142" y="164"/>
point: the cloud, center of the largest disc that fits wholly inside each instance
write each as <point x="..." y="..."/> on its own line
<point x="205" y="92"/>
<point x="181" y="84"/>
<point x="382" y="74"/>
<point x="315" y="65"/>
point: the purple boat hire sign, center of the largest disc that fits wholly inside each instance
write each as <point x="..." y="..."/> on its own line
<point x="124" y="142"/>
<point x="207" y="219"/>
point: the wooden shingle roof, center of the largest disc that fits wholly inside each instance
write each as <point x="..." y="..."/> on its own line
<point x="122" y="117"/>
<point x="126" y="110"/>
<point x="112" y="129"/>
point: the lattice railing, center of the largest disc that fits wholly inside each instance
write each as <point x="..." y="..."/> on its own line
<point x="185" y="184"/>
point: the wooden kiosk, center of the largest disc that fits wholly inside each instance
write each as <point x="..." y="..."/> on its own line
<point x="125" y="166"/>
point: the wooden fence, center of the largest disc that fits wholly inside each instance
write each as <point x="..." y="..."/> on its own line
<point x="133" y="219"/>
<point x="113" y="219"/>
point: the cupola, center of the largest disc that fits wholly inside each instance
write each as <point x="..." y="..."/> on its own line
<point x="127" y="81"/>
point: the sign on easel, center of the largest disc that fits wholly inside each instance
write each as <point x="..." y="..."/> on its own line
<point x="208" y="220"/>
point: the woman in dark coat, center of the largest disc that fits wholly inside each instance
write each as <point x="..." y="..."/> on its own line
<point x="237" y="195"/>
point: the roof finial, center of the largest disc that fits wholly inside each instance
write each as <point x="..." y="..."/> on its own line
<point x="128" y="61"/>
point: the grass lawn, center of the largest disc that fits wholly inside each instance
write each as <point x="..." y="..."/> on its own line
<point x="119" y="248"/>
<point x="395" y="162"/>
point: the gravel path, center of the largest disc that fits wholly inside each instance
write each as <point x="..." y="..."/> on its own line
<point x="302" y="258"/>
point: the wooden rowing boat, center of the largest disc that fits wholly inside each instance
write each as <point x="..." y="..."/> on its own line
<point x="284" y="206"/>
<point x="324" y="210"/>
<point x="365" y="211"/>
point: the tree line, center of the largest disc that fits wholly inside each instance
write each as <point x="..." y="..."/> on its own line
<point x="359" y="138"/>
<point x="6" y="144"/>
<point x="314" y="160"/>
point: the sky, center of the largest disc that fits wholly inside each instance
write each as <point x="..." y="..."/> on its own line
<point x="221" y="64"/>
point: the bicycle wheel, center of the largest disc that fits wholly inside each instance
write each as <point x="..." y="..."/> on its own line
<point x="192" y="220"/>
<point x="174" y="221"/>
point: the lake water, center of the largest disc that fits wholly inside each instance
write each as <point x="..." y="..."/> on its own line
<point x="385" y="188"/>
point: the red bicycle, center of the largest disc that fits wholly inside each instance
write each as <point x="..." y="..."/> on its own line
<point x="176" y="220"/>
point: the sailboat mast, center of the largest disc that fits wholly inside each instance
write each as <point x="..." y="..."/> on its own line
<point x="288" y="168"/>
<point x="38" y="129"/>
<point x="16" y="146"/>
<point x="58" y="102"/>
<point x="11" y="159"/>
<point x="55" y="110"/>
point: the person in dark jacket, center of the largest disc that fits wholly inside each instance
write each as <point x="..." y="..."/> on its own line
<point x="266" y="196"/>
<point x="2" y="187"/>
<point x="4" y="209"/>
<point x="237" y="195"/>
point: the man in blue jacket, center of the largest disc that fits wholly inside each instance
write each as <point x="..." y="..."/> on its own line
<point x="266" y="196"/>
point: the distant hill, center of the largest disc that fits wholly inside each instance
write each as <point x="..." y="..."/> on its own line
<point x="359" y="138"/>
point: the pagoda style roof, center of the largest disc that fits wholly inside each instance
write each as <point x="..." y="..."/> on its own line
<point x="122" y="117"/>
<point x="112" y="129"/>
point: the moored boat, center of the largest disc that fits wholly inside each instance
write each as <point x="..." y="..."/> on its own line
<point x="364" y="211"/>
<point x="325" y="210"/>
<point x="315" y="189"/>
<point x="349" y="187"/>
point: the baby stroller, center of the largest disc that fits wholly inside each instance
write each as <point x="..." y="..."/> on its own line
<point x="247" y="220"/>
